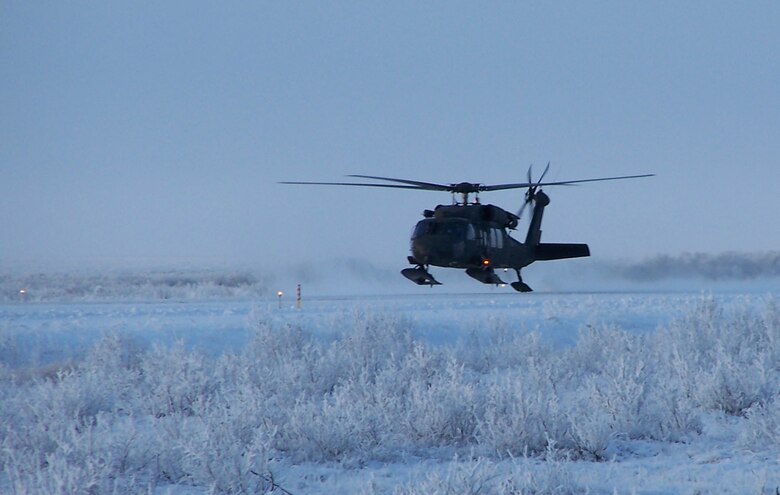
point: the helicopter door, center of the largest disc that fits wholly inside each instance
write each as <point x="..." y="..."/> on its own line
<point x="481" y="236"/>
<point x="491" y="242"/>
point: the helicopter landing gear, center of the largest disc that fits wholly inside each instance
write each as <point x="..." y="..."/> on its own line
<point x="420" y="276"/>
<point x="520" y="286"/>
<point x="485" y="275"/>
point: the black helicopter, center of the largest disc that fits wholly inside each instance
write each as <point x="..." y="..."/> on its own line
<point x="473" y="236"/>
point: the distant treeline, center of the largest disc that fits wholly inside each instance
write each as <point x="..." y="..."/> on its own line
<point x="724" y="266"/>
<point x="339" y="275"/>
<point x="142" y="285"/>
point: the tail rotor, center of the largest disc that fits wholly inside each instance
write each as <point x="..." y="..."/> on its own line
<point x="530" y="193"/>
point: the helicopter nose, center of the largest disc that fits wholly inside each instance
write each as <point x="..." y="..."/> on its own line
<point x="421" y="249"/>
<point x="429" y="249"/>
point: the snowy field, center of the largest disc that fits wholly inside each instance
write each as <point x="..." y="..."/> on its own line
<point x="492" y="392"/>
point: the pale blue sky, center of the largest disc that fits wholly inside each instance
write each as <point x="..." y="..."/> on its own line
<point x="158" y="130"/>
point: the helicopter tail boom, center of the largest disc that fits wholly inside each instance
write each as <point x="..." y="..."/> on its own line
<point x="555" y="251"/>
<point x="549" y="251"/>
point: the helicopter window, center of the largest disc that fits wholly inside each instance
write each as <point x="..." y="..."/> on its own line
<point x="425" y="227"/>
<point x="453" y="229"/>
<point x="458" y="229"/>
<point x="495" y="238"/>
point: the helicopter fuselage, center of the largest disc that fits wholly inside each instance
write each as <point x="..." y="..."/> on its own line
<point x="474" y="236"/>
<point x="468" y="236"/>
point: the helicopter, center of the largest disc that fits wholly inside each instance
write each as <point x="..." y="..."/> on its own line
<point x="474" y="236"/>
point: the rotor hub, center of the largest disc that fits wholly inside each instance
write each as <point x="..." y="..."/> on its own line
<point x="465" y="188"/>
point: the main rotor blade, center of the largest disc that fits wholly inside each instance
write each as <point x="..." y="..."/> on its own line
<point x="565" y="182"/>
<point x="546" y="169"/>
<point x="429" y="186"/>
<point x="394" y="186"/>
<point x="421" y="185"/>
<point x="519" y="185"/>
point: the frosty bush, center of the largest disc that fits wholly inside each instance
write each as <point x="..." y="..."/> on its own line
<point x="763" y="426"/>
<point x="727" y="362"/>
<point x="485" y="476"/>
<point x="127" y="418"/>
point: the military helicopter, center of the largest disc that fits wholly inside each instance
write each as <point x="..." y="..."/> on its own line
<point x="473" y="236"/>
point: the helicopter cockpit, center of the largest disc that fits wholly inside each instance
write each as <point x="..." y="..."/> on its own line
<point x="440" y="240"/>
<point x="454" y="228"/>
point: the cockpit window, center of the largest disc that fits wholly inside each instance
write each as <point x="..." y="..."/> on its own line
<point x="451" y="228"/>
<point x="424" y="227"/>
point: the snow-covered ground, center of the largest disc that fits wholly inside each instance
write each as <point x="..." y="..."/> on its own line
<point x="491" y="392"/>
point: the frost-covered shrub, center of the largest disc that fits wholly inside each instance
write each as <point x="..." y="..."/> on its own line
<point x="126" y="418"/>
<point x="626" y="386"/>
<point x="223" y="449"/>
<point x="615" y="377"/>
<point x="175" y="379"/>
<point x="727" y="362"/>
<point x="342" y="426"/>
<point x="500" y="347"/>
<point x="610" y="385"/>
<point x="763" y="425"/>
<point x="483" y="476"/>
<point x="441" y="409"/>
<point x="519" y="413"/>
<point x="373" y="341"/>
<point x="68" y="433"/>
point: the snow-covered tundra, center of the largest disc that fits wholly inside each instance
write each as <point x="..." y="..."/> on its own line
<point x="462" y="394"/>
